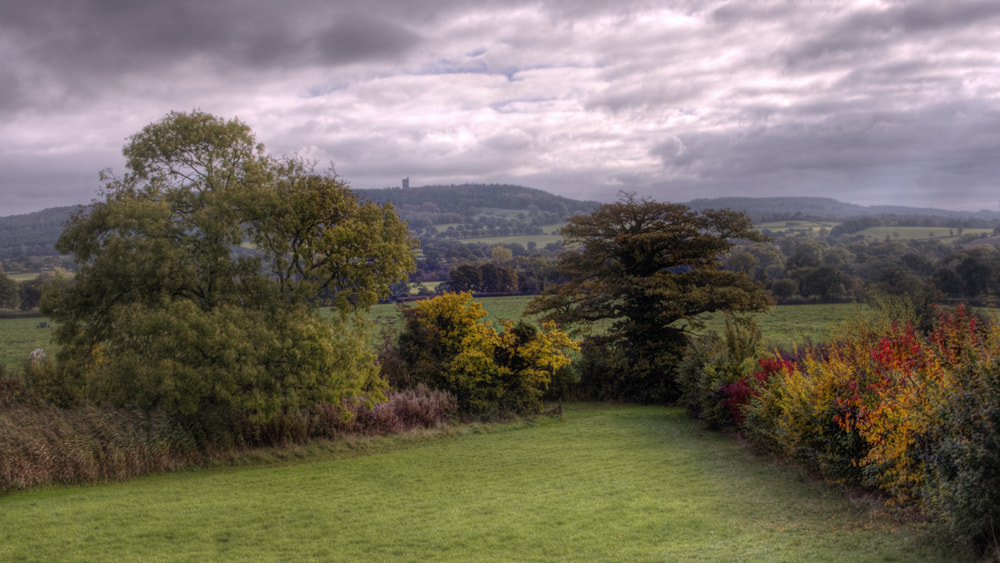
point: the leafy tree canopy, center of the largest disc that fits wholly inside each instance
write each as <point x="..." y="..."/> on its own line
<point x="202" y="269"/>
<point x="646" y="271"/>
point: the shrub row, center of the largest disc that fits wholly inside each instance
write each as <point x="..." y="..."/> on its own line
<point x="915" y="415"/>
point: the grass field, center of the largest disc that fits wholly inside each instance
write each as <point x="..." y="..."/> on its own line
<point x="788" y="325"/>
<point x="799" y="226"/>
<point x="921" y="233"/>
<point x="609" y="483"/>
<point x="782" y="326"/>
<point x="20" y="277"/>
<point x="18" y="337"/>
<point x="540" y="240"/>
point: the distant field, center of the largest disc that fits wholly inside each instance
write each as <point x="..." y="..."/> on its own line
<point x="505" y="213"/>
<point x="18" y="337"/>
<point x="23" y="276"/>
<point x="782" y="326"/>
<point x="786" y="326"/>
<point x="540" y="240"/>
<point x="810" y="226"/>
<point x="921" y="233"/>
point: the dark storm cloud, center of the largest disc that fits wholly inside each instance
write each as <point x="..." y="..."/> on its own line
<point x="356" y="37"/>
<point x="77" y="49"/>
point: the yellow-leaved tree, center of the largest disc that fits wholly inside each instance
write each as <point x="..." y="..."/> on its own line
<point x="446" y="343"/>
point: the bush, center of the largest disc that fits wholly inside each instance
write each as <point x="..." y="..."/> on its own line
<point x="621" y="370"/>
<point x="446" y="344"/>
<point x="796" y="411"/>
<point x="405" y="410"/>
<point x="915" y="415"/>
<point x="713" y="368"/>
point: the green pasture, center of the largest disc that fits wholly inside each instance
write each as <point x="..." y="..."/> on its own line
<point x="18" y="337"/>
<point x="540" y="240"/>
<point x="504" y="213"/>
<point x="523" y="240"/>
<point x="783" y="326"/>
<point x="23" y="276"/>
<point x="799" y="226"/>
<point x="607" y="483"/>
<point x="921" y="233"/>
<point x="786" y="326"/>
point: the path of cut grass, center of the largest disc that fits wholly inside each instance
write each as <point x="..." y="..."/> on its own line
<point x="607" y="484"/>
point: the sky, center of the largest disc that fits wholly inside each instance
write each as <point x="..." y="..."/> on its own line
<point x="868" y="102"/>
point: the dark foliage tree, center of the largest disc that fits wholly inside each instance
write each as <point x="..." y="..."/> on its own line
<point x="10" y="296"/>
<point x="498" y="279"/>
<point x="466" y="277"/>
<point x="646" y="271"/>
<point x="31" y="293"/>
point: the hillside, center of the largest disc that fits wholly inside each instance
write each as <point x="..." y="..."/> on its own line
<point x="32" y="234"/>
<point x="459" y="198"/>
<point x="476" y="211"/>
<point x="828" y="208"/>
<point x="479" y="211"/>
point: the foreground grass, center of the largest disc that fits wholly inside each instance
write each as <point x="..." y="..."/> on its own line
<point x="608" y="483"/>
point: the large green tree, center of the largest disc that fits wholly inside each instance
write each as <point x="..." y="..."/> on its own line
<point x="643" y="273"/>
<point x="202" y="269"/>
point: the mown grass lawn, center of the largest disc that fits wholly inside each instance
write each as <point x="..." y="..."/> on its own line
<point x="609" y="483"/>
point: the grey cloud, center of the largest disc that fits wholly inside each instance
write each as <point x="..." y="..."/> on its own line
<point x="356" y="37"/>
<point x="739" y="12"/>
<point x="583" y="97"/>
<point x="82" y="48"/>
<point x="66" y="181"/>
<point x="850" y="36"/>
<point x="940" y="149"/>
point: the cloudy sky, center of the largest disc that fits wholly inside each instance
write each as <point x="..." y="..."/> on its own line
<point x="865" y="101"/>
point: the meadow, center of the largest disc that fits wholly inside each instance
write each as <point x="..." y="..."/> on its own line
<point x="783" y="326"/>
<point x="921" y="233"/>
<point x="609" y="483"/>
<point x="18" y="337"/>
<point x="797" y="226"/>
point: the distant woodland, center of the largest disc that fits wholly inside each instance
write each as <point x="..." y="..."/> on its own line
<point x="497" y="238"/>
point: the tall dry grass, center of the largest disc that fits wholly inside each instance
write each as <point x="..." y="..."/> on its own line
<point x="42" y="444"/>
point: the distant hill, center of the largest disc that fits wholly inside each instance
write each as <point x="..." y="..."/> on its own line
<point x="824" y="207"/>
<point x="460" y="198"/>
<point x="33" y="234"/>
<point x="493" y="210"/>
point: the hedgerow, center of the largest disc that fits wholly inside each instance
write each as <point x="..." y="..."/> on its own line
<point x="912" y="414"/>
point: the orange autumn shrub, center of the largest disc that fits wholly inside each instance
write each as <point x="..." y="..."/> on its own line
<point x="915" y="415"/>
